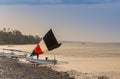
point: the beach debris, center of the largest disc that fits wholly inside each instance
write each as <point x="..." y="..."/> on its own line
<point x="11" y="69"/>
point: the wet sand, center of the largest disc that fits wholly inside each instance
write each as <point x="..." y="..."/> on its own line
<point x="89" y="61"/>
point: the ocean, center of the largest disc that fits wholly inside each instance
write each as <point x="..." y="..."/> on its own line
<point x="89" y="50"/>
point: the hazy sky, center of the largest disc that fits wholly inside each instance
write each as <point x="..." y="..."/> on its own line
<point x="71" y="20"/>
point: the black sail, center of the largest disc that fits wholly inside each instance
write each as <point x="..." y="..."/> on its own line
<point x="50" y="40"/>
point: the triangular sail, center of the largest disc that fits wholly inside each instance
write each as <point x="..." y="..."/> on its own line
<point x="48" y="43"/>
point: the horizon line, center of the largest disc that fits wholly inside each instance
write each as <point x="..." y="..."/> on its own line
<point x="84" y="42"/>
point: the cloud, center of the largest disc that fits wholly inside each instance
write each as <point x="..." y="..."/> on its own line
<point x="39" y="2"/>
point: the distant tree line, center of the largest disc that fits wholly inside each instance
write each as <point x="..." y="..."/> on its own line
<point x="9" y="36"/>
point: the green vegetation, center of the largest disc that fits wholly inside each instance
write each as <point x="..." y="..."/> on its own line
<point x="9" y="36"/>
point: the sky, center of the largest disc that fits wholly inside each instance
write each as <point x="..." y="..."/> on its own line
<point x="71" y="20"/>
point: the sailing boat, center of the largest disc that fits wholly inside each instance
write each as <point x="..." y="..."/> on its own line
<point x="48" y="43"/>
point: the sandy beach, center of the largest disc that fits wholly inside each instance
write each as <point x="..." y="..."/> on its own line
<point x="89" y="61"/>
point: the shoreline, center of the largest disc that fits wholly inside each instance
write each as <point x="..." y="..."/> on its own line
<point x="11" y="69"/>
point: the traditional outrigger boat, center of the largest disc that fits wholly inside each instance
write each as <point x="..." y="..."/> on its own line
<point x="47" y="43"/>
